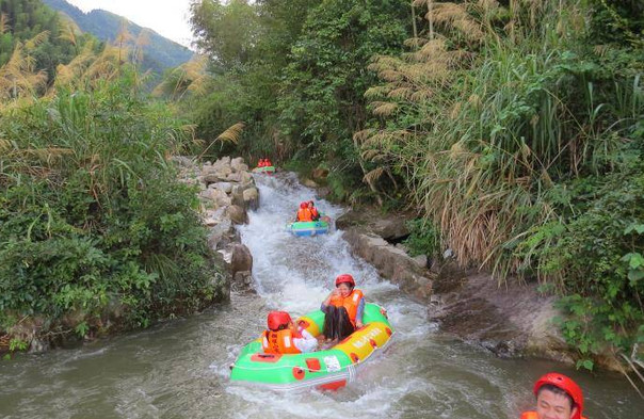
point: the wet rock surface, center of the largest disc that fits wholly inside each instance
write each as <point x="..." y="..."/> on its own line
<point x="511" y="320"/>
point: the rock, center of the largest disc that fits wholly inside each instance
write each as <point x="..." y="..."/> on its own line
<point x="221" y="284"/>
<point x="227" y="187"/>
<point x="237" y="214"/>
<point x="243" y="282"/>
<point x="318" y="173"/>
<point x="207" y="194"/>
<point x="349" y="219"/>
<point x="222" y="199"/>
<point x="251" y="198"/>
<point x="391" y="229"/>
<point x="222" y="235"/>
<point x="234" y="177"/>
<point x="391" y="262"/>
<point x="237" y="258"/>
<point x="183" y="161"/>
<point x="237" y="165"/>
<point x="310" y="183"/>
<point x="508" y="321"/>
<point x="448" y="254"/>
<point x="209" y="178"/>
<point x="237" y="196"/>
<point x="247" y="179"/>
<point x="421" y="261"/>
<point x="214" y="217"/>
<point x="38" y="346"/>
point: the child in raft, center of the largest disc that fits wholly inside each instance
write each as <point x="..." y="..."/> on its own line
<point x="343" y="309"/>
<point x="284" y="337"/>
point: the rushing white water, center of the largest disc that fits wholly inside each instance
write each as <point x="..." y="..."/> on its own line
<point x="180" y="369"/>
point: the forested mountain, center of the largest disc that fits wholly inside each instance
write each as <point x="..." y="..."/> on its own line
<point x="21" y="21"/>
<point x="159" y="53"/>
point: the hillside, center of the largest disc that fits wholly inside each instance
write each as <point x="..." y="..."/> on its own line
<point x="159" y="54"/>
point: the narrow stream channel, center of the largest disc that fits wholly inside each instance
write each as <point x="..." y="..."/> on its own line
<point x="179" y="369"/>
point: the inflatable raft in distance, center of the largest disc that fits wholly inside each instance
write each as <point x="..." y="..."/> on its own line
<point x="309" y="228"/>
<point x="328" y="369"/>
<point x="264" y="169"/>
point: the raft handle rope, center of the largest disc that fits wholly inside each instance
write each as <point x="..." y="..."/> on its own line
<point x="341" y="369"/>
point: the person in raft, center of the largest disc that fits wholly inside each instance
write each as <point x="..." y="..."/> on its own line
<point x="343" y="309"/>
<point x="284" y="337"/>
<point x="315" y="215"/>
<point x="304" y="213"/>
<point x="558" y="397"/>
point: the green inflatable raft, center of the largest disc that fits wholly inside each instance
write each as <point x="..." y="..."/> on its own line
<point x="327" y="369"/>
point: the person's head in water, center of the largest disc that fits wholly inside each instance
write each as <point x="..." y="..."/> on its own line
<point x="558" y="397"/>
<point x="345" y="284"/>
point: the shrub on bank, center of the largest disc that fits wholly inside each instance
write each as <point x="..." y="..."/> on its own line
<point x="95" y="230"/>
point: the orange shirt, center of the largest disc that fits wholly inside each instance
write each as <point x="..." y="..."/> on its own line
<point x="304" y="214"/>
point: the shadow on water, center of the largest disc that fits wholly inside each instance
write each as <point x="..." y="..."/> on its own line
<point x="179" y="369"/>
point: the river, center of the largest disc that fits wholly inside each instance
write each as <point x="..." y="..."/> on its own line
<point x="180" y="368"/>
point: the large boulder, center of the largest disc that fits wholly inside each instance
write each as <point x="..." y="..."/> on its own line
<point x="238" y="165"/>
<point x="243" y="282"/>
<point x="247" y="180"/>
<point x="237" y="258"/>
<point x="227" y="187"/>
<point x="234" y="177"/>
<point x="214" y="217"/>
<point x="251" y="198"/>
<point x="392" y="262"/>
<point x="237" y="214"/>
<point x="391" y="227"/>
<point x="222" y="235"/>
<point x="237" y="195"/>
<point x="309" y="183"/>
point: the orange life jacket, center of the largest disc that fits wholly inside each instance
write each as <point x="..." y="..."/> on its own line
<point x="268" y="163"/>
<point x="280" y="342"/>
<point x="533" y="415"/>
<point x="304" y="214"/>
<point x="350" y="303"/>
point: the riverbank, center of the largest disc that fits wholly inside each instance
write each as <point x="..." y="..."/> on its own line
<point x="226" y="191"/>
<point x="512" y="319"/>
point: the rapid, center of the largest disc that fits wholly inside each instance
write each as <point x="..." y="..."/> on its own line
<point x="180" y="368"/>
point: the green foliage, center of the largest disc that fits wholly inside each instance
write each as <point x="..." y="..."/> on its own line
<point x="323" y="102"/>
<point x="92" y="219"/>
<point x="227" y="32"/>
<point x="423" y="239"/>
<point x="596" y="257"/>
<point x="27" y="18"/>
<point x="521" y="141"/>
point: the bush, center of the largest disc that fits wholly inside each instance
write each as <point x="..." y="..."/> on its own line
<point x="93" y="220"/>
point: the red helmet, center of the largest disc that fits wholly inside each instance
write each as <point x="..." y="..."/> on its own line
<point x="277" y="319"/>
<point x="345" y="279"/>
<point x="566" y="384"/>
<point x="303" y="205"/>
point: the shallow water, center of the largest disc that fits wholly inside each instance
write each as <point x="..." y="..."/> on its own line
<point x="179" y="369"/>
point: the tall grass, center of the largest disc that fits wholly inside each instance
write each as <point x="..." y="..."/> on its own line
<point x="93" y="220"/>
<point x="487" y="113"/>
